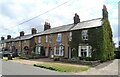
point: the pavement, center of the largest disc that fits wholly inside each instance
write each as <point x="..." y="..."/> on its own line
<point x="119" y="67"/>
<point x="107" y="68"/>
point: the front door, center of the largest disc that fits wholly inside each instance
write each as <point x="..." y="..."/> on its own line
<point x="47" y="51"/>
<point x="69" y="53"/>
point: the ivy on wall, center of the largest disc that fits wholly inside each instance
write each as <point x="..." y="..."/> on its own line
<point x="108" y="47"/>
<point x="76" y="40"/>
<point x="99" y="38"/>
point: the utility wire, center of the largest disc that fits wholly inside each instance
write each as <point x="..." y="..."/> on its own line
<point x="43" y="13"/>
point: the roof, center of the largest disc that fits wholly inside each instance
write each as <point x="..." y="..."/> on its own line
<point x="88" y="24"/>
<point x="7" y="40"/>
<point x="3" y="41"/>
<point x="56" y="29"/>
<point x="10" y="40"/>
<point x="25" y="37"/>
<point x="82" y="25"/>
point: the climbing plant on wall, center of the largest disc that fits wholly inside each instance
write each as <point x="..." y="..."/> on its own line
<point x="99" y="38"/>
<point x="108" y="47"/>
<point x="76" y="40"/>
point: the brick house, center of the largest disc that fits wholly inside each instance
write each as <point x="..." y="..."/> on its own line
<point x="25" y="43"/>
<point x="57" y="41"/>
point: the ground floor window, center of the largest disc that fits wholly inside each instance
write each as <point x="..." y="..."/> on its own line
<point x="38" y="50"/>
<point x="84" y="51"/>
<point x="59" y="50"/>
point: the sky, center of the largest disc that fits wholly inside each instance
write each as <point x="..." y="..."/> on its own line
<point x="14" y="12"/>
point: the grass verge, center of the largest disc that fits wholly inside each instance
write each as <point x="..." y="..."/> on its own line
<point x="63" y="67"/>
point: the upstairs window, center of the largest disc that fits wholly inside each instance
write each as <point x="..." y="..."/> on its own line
<point x="46" y="38"/>
<point x="59" y="37"/>
<point x="39" y="39"/>
<point x="13" y="43"/>
<point x="25" y="41"/>
<point x="85" y="34"/>
<point x="50" y="38"/>
<point x="70" y="36"/>
<point x="19" y="43"/>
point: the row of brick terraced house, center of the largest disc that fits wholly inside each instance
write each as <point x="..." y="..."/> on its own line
<point x="55" y="41"/>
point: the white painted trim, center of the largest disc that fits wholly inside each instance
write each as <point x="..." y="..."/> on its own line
<point x="88" y="50"/>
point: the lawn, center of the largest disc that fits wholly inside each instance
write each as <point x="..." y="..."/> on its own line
<point x="63" y="67"/>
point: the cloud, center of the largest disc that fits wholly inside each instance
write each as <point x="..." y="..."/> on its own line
<point x="13" y="12"/>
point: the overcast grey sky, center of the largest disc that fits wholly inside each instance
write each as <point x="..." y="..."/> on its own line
<point x="13" y="12"/>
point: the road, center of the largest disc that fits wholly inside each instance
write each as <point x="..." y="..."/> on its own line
<point x="11" y="68"/>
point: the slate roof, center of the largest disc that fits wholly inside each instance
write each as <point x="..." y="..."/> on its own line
<point x="56" y="29"/>
<point x="3" y="41"/>
<point x="88" y="24"/>
<point x="25" y="37"/>
<point x="82" y="25"/>
<point x="10" y="40"/>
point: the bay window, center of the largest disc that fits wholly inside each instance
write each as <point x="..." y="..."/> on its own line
<point x="59" y="50"/>
<point x="84" y="51"/>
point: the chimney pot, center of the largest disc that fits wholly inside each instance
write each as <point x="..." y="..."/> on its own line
<point x="47" y="26"/>
<point x="104" y="12"/>
<point x="2" y="38"/>
<point x="76" y="19"/>
<point x="22" y="33"/>
<point x="33" y="31"/>
<point x="8" y="36"/>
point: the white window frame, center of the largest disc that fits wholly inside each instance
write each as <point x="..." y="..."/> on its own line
<point x="88" y="51"/>
<point x="39" y="39"/>
<point x="13" y="43"/>
<point x="25" y="41"/>
<point x="50" y="38"/>
<point x="60" y="51"/>
<point x="38" y="50"/>
<point x="85" y="34"/>
<point x="46" y="38"/>
<point x="19" y="43"/>
<point x="70" y="36"/>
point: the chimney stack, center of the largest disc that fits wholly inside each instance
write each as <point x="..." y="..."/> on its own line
<point x="76" y="19"/>
<point x="47" y="26"/>
<point x="22" y="33"/>
<point x="8" y="36"/>
<point x="104" y="12"/>
<point x="2" y="38"/>
<point x="33" y="31"/>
